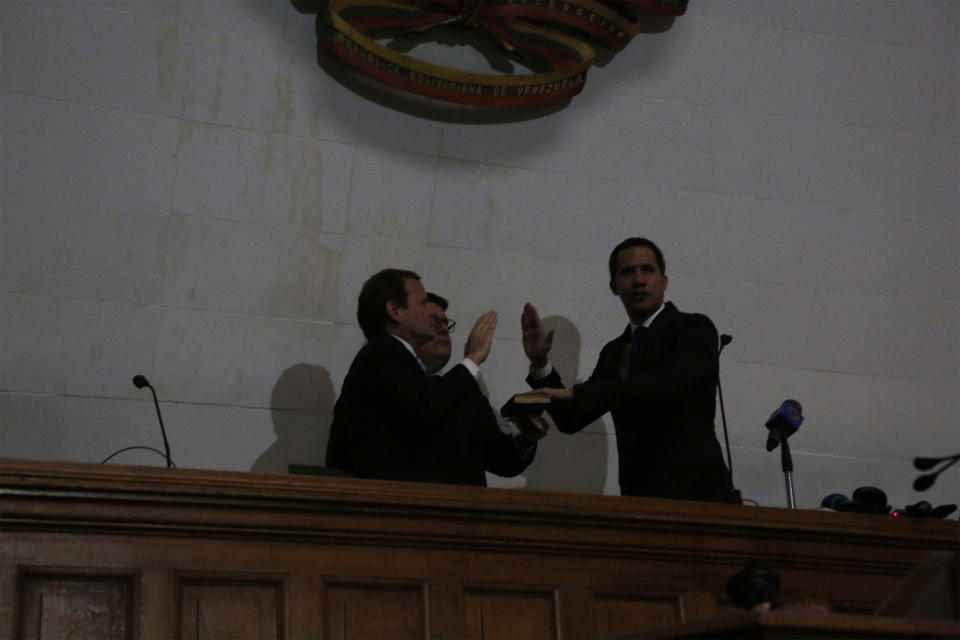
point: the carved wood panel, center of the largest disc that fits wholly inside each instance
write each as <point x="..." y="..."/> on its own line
<point x="202" y="554"/>
<point x="375" y="609"/>
<point x="231" y="608"/>
<point x="510" y="614"/>
<point x="621" y="615"/>
<point x="70" y="603"/>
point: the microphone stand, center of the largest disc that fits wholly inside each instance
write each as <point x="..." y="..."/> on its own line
<point x="163" y="432"/>
<point x="786" y="463"/>
<point x="140" y="382"/>
<point x="735" y="495"/>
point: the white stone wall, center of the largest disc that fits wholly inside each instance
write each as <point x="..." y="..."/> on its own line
<point x="186" y="195"/>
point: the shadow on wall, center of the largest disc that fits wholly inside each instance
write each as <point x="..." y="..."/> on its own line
<point x="578" y="462"/>
<point x="301" y="407"/>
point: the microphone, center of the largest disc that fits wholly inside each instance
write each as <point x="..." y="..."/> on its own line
<point x="840" y="502"/>
<point x="865" y="500"/>
<point x="924" y="482"/>
<point x="873" y="500"/>
<point x="832" y="501"/>
<point x="725" y="339"/>
<point x="925" y="464"/>
<point x="140" y="382"/>
<point x="783" y="423"/>
<point x="735" y="495"/>
<point x="924" y="509"/>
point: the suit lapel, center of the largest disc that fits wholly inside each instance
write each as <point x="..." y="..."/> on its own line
<point x="657" y="329"/>
<point x="620" y="367"/>
<point x="612" y="357"/>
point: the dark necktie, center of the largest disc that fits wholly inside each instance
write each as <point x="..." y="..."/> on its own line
<point x="636" y="345"/>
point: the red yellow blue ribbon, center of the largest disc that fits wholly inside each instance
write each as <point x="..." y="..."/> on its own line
<point x="559" y="39"/>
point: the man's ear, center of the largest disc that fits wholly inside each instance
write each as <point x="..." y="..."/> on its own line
<point x="613" y="287"/>
<point x="393" y="311"/>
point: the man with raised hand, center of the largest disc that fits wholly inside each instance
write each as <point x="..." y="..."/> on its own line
<point x="389" y="411"/>
<point x="471" y="442"/>
<point x="658" y="379"/>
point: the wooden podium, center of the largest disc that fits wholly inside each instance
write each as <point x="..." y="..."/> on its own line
<point x="800" y="625"/>
<point x="96" y="551"/>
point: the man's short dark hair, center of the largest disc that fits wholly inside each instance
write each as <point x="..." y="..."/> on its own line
<point x="440" y="301"/>
<point x="382" y="287"/>
<point x="627" y="244"/>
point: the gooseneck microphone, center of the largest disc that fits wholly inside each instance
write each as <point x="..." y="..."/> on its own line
<point x="924" y="482"/>
<point x="735" y="496"/>
<point x="140" y="382"/>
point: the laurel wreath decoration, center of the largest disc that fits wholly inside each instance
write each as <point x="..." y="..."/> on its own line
<point x="559" y="40"/>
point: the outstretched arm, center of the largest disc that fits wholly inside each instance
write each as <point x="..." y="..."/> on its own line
<point x="687" y="365"/>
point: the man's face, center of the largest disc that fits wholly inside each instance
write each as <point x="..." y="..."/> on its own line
<point x="413" y="323"/>
<point x="639" y="282"/>
<point x="435" y="353"/>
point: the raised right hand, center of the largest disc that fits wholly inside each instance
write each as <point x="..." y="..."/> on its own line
<point x="481" y="338"/>
<point x="536" y="340"/>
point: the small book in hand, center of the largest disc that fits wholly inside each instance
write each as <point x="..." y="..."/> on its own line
<point x="530" y="404"/>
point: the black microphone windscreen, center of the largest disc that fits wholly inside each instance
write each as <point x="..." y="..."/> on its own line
<point x="872" y="497"/>
<point x="830" y="501"/>
<point x="924" y="464"/>
<point x="140" y="382"/>
<point x="922" y="483"/>
<point x="725" y="339"/>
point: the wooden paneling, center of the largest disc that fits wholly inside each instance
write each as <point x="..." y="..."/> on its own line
<point x="231" y="608"/>
<point x="72" y="603"/>
<point x="510" y="614"/>
<point x="794" y="624"/>
<point x="124" y="552"/>
<point x="620" y="616"/>
<point x="371" y="609"/>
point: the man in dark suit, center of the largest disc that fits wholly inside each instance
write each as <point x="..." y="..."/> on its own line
<point x="471" y="441"/>
<point x="658" y="379"/>
<point x="391" y="417"/>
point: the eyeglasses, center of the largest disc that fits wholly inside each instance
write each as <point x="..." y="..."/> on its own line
<point x="444" y="323"/>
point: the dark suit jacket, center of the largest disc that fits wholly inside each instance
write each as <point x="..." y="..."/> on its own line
<point x="663" y="413"/>
<point x="394" y="422"/>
